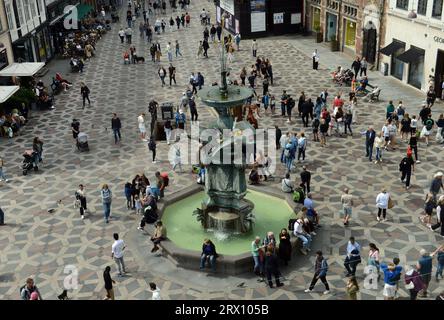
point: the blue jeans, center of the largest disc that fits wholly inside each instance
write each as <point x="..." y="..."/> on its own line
<point x="117" y="135"/>
<point x="2" y="175"/>
<point x="288" y="162"/>
<point x="129" y="23"/>
<point x="439" y="269"/>
<point x="378" y="153"/>
<point x="257" y="265"/>
<point x="178" y="53"/>
<point x="212" y="260"/>
<point x="106" y="210"/>
<point x="369" y="150"/>
<point x="283" y="108"/>
<point x="306" y="240"/>
<point x="170" y="56"/>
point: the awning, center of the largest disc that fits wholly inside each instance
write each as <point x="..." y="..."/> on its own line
<point x="413" y="54"/>
<point x="392" y="47"/>
<point x="6" y="92"/>
<point x="83" y="10"/>
<point x="24" y="69"/>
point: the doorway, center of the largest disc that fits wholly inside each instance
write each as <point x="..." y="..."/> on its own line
<point x="439" y="73"/>
<point x="332" y="25"/>
<point x="369" y="45"/>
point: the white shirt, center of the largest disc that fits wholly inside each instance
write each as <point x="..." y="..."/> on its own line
<point x="122" y="33"/>
<point x="254" y="45"/>
<point x="283" y="141"/>
<point x="169" y="48"/>
<point x="382" y="200"/>
<point x="298" y="228"/>
<point x="156" y="295"/>
<point x="141" y="121"/>
<point x="287" y="185"/>
<point x="117" y="248"/>
<point x="385" y="131"/>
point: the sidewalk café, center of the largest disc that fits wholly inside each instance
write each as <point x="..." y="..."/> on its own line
<point x="13" y="115"/>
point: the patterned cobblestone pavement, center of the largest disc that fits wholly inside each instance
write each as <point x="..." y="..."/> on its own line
<point x="41" y="244"/>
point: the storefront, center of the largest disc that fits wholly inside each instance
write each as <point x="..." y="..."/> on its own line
<point x="34" y="47"/>
<point x="316" y="19"/>
<point x="259" y="18"/>
<point x="419" y="60"/>
<point x="332" y="27"/>
<point x="350" y="34"/>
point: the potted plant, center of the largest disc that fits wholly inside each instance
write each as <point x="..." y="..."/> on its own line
<point x="318" y="34"/>
<point x="334" y="43"/>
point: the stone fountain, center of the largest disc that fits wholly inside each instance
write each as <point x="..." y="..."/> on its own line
<point x="225" y="208"/>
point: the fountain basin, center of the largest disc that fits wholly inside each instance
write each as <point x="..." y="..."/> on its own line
<point x="183" y="247"/>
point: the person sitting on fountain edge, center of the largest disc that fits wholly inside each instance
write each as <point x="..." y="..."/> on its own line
<point x="208" y="253"/>
<point x="253" y="177"/>
<point x="160" y="234"/>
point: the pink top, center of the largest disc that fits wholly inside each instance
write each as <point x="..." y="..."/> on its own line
<point x="374" y="254"/>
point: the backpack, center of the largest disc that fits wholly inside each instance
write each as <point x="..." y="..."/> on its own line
<point x="298" y="196"/>
<point x="287" y="152"/>
<point x="429" y="124"/>
<point x="151" y="145"/>
<point x="166" y="179"/>
<point x="291" y="224"/>
<point x="403" y="164"/>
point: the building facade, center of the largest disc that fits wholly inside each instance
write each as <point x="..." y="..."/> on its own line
<point x="414" y="50"/>
<point x="258" y="18"/>
<point x="28" y="28"/>
<point x="351" y="26"/>
<point x="6" y="54"/>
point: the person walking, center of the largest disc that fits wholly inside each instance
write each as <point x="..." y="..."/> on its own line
<point x="206" y="46"/>
<point x="75" y="128"/>
<point x="391" y="272"/>
<point x="169" y="52"/>
<point x="81" y="197"/>
<point x="155" y="291"/>
<point x="142" y="128"/>
<point x="356" y="65"/>
<point x="116" y="125"/>
<point x="108" y="284"/>
<point x="172" y="74"/>
<point x="178" y="53"/>
<point x="436" y="185"/>
<point x="152" y="147"/>
<point x="440" y="259"/>
<point x="272" y="268"/>
<point x="168" y="128"/>
<point x="353" y="257"/>
<point x="379" y="147"/>
<point x="315" y="58"/>
<point x="2" y="173"/>
<point x="347" y="206"/>
<point x="363" y="67"/>
<point x="122" y="35"/>
<point x="373" y="259"/>
<point x="193" y="109"/>
<point x="253" y="47"/>
<point x="302" y="145"/>
<point x="424" y="267"/>
<point x="117" y="253"/>
<point x="2" y="217"/>
<point x="407" y="166"/>
<point x="106" y="195"/>
<point x="352" y="288"/>
<point x="321" y="268"/>
<point x="84" y="91"/>
<point x="128" y="34"/>
<point x="162" y="74"/>
<point x="305" y="179"/>
<point x="370" y="135"/>
<point x="413" y="282"/>
<point x="382" y="202"/>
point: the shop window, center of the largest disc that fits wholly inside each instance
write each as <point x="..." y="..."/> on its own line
<point x="416" y="71"/>
<point x="350" y="34"/>
<point x="3" y="59"/>
<point x="26" y="9"/>
<point x="397" y="66"/>
<point x="402" y="4"/>
<point x="437" y="9"/>
<point x="422" y="7"/>
<point x="20" y="12"/>
<point x="316" y="24"/>
<point x="9" y="15"/>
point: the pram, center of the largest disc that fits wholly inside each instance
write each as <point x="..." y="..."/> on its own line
<point x="28" y="161"/>
<point x="82" y="142"/>
<point x="344" y="77"/>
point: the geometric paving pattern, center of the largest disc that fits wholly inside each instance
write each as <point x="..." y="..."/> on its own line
<point x="40" y="244"/>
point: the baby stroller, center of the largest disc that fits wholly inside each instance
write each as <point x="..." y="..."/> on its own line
<point x="82" y="142"/>
<point x="346" y="78"/>
<point x="28" y="161"/>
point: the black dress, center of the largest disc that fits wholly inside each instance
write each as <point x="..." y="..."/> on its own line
<point x="285" y="248"/>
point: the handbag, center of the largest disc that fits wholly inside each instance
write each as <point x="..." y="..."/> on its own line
<point x="410" y="285"/>
<point x="391" y="204"/>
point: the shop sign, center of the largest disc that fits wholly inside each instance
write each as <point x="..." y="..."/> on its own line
<point x="278" y="18"/>
<point x="438" y="39"/>
<point x="227" y="5"/>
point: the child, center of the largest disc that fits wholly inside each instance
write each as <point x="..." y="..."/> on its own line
<point x="138" y="205"/>
<point x="128" y="193"/>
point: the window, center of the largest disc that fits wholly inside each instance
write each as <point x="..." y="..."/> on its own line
<point x="416" y="71"/>
<point x="9" y="15"/>
<point x="20" y="12"/>
<point x="437" y="9"/>
<point x="33" y="11"/>
<point x="26" y="9"/>
<point x="422" y="7"/>
<point x="350" y="33"/>
<point x="402" y="4"/>
<point x="3" y="59"/>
